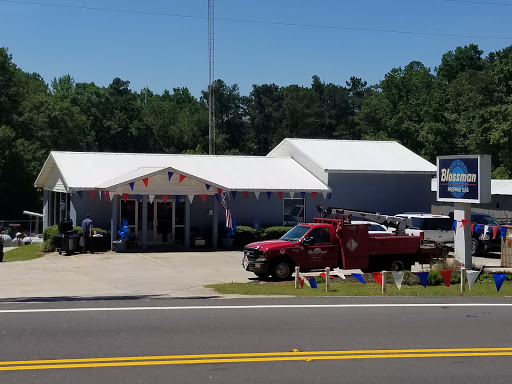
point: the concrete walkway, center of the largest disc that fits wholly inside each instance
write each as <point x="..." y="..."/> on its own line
<point x="177" y="274"/>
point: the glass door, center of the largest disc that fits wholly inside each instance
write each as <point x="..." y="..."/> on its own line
<point x="164" y="222"/>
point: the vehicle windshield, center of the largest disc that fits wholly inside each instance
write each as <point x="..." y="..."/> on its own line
<point x="484" y="219"/>
<point x="296" y="233"/>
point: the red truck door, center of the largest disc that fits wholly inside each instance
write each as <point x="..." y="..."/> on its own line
<point x="322" y="253"/>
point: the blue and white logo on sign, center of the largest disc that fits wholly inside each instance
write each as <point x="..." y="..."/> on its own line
<point x="458" y="188"/>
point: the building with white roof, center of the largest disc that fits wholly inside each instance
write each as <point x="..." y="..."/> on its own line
<point x="168" y="198"/>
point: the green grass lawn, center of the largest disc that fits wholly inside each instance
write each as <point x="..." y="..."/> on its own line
<point x="23" y="253"/>
<point x="480" y="288"/>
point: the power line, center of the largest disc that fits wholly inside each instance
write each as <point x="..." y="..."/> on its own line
<point x="276" y="23"/>
<point x="477" y="2"/>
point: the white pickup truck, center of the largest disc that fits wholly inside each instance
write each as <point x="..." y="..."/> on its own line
<point x="435" y="228"/>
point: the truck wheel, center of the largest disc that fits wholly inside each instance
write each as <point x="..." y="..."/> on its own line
<point x="282" y="270"/>
<point x="262" y="276"/>
<point x="475" y="246"/>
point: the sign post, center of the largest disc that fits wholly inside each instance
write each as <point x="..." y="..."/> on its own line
<point x="463" y="180"/>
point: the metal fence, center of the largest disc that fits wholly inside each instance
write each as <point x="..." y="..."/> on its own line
<point x="30" y="227"/>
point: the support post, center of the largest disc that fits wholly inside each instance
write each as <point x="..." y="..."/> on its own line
<point x="144" y="242"/>
<point x="215" y="223"/>
<point x="297" y="280"/>
<point x="384" y="288"/>
<point x="114" y="221"/>
<point x="187" y="223"/>
<point x="462" y="280"/>
<point x="327" y="278"/>
<point x="462" y="211"/>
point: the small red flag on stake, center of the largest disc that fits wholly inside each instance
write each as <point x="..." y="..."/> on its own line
<point x="125" y="197"/>
<point x="246" y="194"/>
<point x="182" y="177"/>
<point x="378" y="277"/>
<point x="203" y="197"/>
<point x="301" y="282"/>
<point x="93" y="193"/>
<point x="463" y="222"/>
<point x="280" y="194"/>
<point x="314" y="195"/>
<point x="145" y="181"/>
<point x="164" y="198"/>
<point x="447" y="277"/>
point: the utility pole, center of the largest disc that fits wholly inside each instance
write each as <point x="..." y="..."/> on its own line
<point x="211" y="79"/>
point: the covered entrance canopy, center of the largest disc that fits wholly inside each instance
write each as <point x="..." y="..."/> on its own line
<point x="181" y="179"/>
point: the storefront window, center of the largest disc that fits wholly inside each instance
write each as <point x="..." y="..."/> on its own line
<point x="129" y="213"/>
<point x="293" y="212"/>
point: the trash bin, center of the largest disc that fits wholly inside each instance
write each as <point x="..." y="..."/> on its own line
<point x="69" y="238"/>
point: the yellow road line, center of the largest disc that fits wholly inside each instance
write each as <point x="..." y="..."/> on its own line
<point x="247" y="360"/>
<point x="251" y="357"/>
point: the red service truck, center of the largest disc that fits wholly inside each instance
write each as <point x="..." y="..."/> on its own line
<point x="334" y="243"/>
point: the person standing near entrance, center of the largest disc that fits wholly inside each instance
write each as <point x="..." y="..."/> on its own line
<point x="87" y="229"/>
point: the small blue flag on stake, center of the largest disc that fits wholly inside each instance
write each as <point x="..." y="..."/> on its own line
<point x="359" y="277"/>
<point x="499" y="278"/>
<point x="503" y="232"/>
<point x="79" y="193"/>
<point x="207" y="186"/>
<point x="477" y="226"/>
<point x="170" y="174"/>
<point x="131" y="185"/>
<point x="423" y="278"/>
<point x="454" y="225"/>
<point x="312" y="281"/>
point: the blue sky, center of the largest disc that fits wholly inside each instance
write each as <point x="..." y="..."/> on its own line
<point x="149" y="47"/>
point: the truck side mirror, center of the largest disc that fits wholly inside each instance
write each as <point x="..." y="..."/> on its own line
<point x="308" y="241"/>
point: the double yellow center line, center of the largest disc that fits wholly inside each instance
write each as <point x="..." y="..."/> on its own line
<point x="250" y="358"/>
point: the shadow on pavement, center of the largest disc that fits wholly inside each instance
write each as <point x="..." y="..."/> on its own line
<point x="57" y="299"/>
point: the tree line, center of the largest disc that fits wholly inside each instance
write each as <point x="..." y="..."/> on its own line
<point x="463" y="106"/>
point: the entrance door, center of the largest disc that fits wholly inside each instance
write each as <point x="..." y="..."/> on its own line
<point x="164" y="222"/>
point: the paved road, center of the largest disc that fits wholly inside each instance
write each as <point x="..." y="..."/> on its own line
<point x="308" y="340"/>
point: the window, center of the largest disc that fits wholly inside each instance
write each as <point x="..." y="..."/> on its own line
<point x="320" y="236"/>
<point x="436" y="224"/>
<point x="296" y="233"/>
<point x="293" y="211"/>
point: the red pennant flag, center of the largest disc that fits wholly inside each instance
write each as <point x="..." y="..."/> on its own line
<point x="378" y="277"/>
<point x="314" y="195"/>
<point x="219" y="191"/>
<point x="447" y="277"/>
<point x="182" y="177"/>
<point x="164" y="198"/>
<point x="494" y="232"/>
<point x="203" y="197"/>
<point x="472" y="227"/>
<point x="246" y="194"/>
<point x="463" y="222"/>
<point x="145" y="181"/>
<point x="280" y="194"/>
<point x="106" y="195"/>
<point x="93" y="193"/>
<point x="125" y="197"/>
<point x="301" y="282"/>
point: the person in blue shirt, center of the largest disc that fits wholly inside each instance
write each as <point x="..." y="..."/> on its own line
<point x="87" y="230"/>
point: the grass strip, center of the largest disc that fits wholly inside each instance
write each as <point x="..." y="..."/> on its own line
<point x="24" y="253"/>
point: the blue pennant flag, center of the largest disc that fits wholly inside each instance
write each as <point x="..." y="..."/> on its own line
<point x="312" y="282"/>
<point x="329" y="196"/>
<point x="499" y="278"/>
<point x="423" y="278"/>
<point x="178" y="197"/>
<point x="503" y="232"/>
<point x="454" y="225"/>
<point x="207" y="186"/>
<point x="358" y="276"/>
<point x="303" y="195"/>
<point x="477" y="226"/>
<point x="233" y="194"/>
<point x="102" y="193"/>
<point x="79" y="193"/>
<point x="269" y="194"/>
<point x="131" y="185"/>
<point x="139" y="198"/>
<point x="217" y="197"/>
<point x="170" y="174"/>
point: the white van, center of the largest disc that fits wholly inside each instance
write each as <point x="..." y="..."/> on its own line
<point x="435" y="228"/>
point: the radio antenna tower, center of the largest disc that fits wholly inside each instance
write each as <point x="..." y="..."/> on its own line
<point x="211" y="80"/>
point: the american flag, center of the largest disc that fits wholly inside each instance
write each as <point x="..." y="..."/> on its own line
<point x="224" y="203"/>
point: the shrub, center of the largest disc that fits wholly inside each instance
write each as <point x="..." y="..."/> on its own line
<point x="47" y="246"/>
<point x="245" y="235"/>
<point x="435" y="278"/>
<point x="272" y="233"/>
<point x="51" y="243"/>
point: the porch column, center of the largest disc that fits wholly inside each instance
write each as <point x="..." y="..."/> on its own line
<point x="72" y="211"/>
<point x="46" y="208"/>
<point x="144" y="242"/>
<point x="54" y="208"/>
<point x="113" y="221"/>
<point x="187" y="222"/>
<point x="215" y="223"/>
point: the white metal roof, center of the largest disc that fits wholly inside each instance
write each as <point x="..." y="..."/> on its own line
<point x="355" y="155"/>
<point x="498" y="186"/>
<point x="100" y="170"/>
